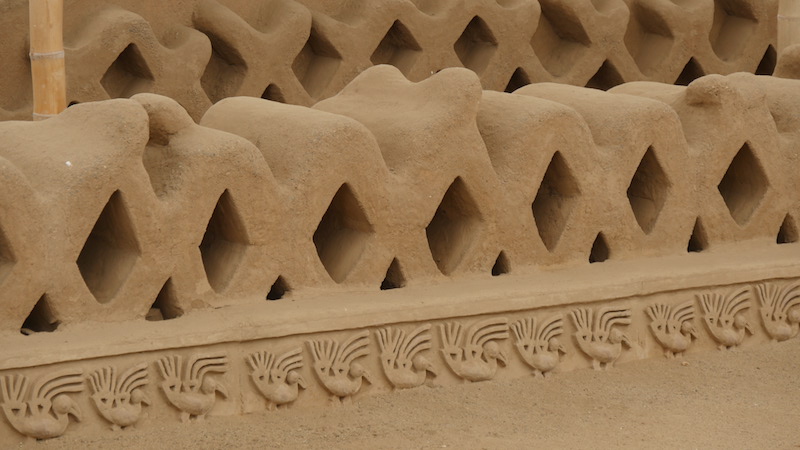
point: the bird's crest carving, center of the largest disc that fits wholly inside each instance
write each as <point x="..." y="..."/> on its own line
<point x="539" y="345"/>
<point x="335" y="364"/>
<point x="474" y="355"/>
<point x="780" y="309"/>
<point x="191" y="389"/>
<point x="277" y="378"/>
<point x="401" y="357"/>
<point x="119" y="399"/>
<point x="673" y="327"/>
<point x="46" y="413"/>
<point x="598" y="336"/>
<point x="725" y="318"/>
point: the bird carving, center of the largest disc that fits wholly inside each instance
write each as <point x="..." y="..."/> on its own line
<point x="335" y="365"/>
<point x="474" y="356"/>
<point x="277" y="378"/>
<point x="46" y="414"/>
<point x="194" y="393"/>
<point x="780" y="309"/>
<point x="539" y="346"/>
<point x="402" y="362"/>
<point x="672" y="327"/>
<point x="119" y="399"/>
<point x="724" y="316"/>
<point x="597" y="335"/>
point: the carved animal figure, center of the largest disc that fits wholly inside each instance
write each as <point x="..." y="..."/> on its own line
<point x="477" y="358"/>
<point x="780" y="310"/>
<point x="540" y="347"/>
<point x="278" y="379"/>
<point x="119" y="400"/>
<point x="46" y="414"/>
<point x="335" y="367"/>
<point x="724" y="317"/>
<point x="194" y="393"/>
<point x="673" y="327"/>
<point x="402" y="362"/>
<point x="598" y="338"/>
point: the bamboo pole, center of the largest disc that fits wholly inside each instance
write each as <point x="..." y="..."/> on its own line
<point x="47" y="58"/>
<point x="788" y="23"/>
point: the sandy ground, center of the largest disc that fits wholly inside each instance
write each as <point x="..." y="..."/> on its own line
<point x="734" y="399"/>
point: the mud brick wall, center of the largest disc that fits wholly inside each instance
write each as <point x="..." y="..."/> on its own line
<point x="299" y="52"/>
<point x="127" y="208"/>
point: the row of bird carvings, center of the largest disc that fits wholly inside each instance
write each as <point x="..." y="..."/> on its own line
<point x="472" y="353"/>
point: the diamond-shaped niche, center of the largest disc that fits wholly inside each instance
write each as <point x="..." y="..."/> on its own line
<point x="555" y="200"/>
<point x="648" y="191"/>
<point x="648" y="38"/>
<point x="110" y="251"/>
<point x="342" y="234"/>
<point x="225" y="71"/>
<point x="316" y="64"/>
<point x="398" y="48"/>
<point x="744" y="185"/>
<point x="128" y="74"/>
<point x="733" y="26"/>
<point x="455" y="226"/>
<point x="560" y="38"/>
<point x="476" y="45"/>
<point x="224" y="243"/>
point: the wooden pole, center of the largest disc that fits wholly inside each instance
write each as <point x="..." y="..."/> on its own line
<point x="47" y="58"/>
<point x="788" y="23"/>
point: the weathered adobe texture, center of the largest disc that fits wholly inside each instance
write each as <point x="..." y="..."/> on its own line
<point x="113" y="208"/>
<point x="201" y="51"/>
<point x="645" y="221"/>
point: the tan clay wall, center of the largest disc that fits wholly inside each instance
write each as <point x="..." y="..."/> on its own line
<point x="116" y="207"/>
<point x="201" y="51"/>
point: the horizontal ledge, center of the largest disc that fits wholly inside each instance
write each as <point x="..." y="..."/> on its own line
<point x="316" y="312"/>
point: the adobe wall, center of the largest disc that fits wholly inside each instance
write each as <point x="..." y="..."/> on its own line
<point x="396" y="234"/>
<point x="201" y="51"/>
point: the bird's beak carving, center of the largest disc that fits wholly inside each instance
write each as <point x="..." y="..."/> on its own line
<point x="301" y="382"/>
<point x="76" y="413"/>
<point x="367" y="377"/>
<point x="748" y="327"/>
<point x="145" y="399"/>
<point x="561" y="349"/>
<point x="501" y="356"/>
<point x="222" y="390"/>
<point x="625" y="340"/>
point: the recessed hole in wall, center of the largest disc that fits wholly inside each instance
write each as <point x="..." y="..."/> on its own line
<point x="733" y="26"/>
<point x="225" y="71"/>
<point x="476" y="45"/>
<point x="518" y="79"/>
<point x="398" y="48"/>
<point x="744" y="185"/>
<point x="605" y="78"/>
<point x="316" y="64"/>
<point x="128" y="74"/>
<point x="224" y="243"/>
<point x="110" y="251"/>
<point x="698" y="241"/>
<point x="555" y="201"/>
<point x="648" y="191"/>
<point x="41" y="318"/>
<point x="454" y="227"/>
<point x="768" y="62"/>
<point x="166" y="306"/>
<point x="273" y="92"/>
<point x="560" y="38"/>
<point x="342" y="234"/>
<point x="279" y="289"/>
<point x="788" y="232"/>
<point x="501" y="265"/>
<point x="691" y="71"/>
<point x="648" y="37"/>
<point x="394" y="278"/>
<point x="600" y="251"/>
